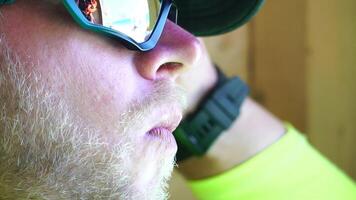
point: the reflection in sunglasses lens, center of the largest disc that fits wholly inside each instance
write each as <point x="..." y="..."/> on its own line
<point x="134" y="18"/>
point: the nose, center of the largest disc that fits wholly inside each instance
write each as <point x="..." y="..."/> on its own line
<point x="176" y="51"/>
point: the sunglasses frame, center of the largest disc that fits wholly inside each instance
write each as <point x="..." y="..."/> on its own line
<point x="128" y="42"/>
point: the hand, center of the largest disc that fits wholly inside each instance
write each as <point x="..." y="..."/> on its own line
<point x="199" y="79"/>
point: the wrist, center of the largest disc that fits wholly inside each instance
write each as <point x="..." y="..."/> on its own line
<point x="254" y="130"/>
<point x="215" y="115"/>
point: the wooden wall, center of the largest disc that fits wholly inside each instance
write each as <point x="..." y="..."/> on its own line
<point x="278" y="64"/>
<point x="331" y="88"/>
<point x="303" y="61"/>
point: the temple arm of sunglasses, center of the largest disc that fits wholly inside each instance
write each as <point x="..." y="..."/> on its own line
<point x="173" y="14"/>
<point x="4" y="2"/>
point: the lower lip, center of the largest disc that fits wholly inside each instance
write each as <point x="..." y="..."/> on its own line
<point x="162" y="134"/>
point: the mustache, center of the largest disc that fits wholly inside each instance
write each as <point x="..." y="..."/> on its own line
<point x="164" y="95"/>
<point x="166" y="92"/>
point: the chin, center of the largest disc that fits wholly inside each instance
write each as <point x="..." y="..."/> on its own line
<point x="152" y="167"/>
<point x="152" y="176"/>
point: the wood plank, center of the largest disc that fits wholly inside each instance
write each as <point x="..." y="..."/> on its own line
<point x="332" y="82"/>
<point x="277" y="74"/>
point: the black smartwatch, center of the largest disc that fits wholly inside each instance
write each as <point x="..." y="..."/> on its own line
<point x="198" y="131"/>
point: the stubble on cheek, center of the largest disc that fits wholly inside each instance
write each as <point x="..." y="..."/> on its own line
<point x="66" y="147"/>
<point x="49" y="150"/>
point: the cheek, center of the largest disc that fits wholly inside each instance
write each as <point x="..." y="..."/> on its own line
<point x="101" y="95"/>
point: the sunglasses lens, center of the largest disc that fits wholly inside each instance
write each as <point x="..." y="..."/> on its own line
<point x="134" y="18"/>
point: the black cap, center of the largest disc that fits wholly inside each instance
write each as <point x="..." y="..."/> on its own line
<point x="213" y="17"/>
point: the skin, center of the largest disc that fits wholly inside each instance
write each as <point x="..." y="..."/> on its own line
<point x="101" y="88"/>
<point x="128" y="98"/>
<point x="67" y="45"/>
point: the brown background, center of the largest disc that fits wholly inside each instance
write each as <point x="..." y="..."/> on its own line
<point x="299" y="58"/>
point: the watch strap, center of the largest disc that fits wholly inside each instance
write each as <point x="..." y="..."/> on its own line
<point x="218" y="111"/>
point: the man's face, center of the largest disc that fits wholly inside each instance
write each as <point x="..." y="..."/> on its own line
<point x="81" y="115"/>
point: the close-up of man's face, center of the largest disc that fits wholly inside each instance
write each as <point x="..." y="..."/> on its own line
<point x="177" y="99"/>
<point x="82" y="116"/>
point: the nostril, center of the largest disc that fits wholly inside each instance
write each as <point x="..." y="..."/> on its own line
<point x="169" y="66"/>
<point x="176" y="51"/>
<point x="169" y="69"/>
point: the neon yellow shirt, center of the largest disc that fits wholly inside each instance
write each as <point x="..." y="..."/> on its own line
<point x="290" y="169"/>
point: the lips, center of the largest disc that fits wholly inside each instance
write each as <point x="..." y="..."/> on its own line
<point x="160" y="132"/>
<point x="162" y="138"/>
<point x="167" y="120"/>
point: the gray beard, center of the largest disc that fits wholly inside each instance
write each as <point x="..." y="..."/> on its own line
<point x="48" y="153"/>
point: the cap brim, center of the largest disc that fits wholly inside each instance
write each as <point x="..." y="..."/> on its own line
<point x="213" y="17"/>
